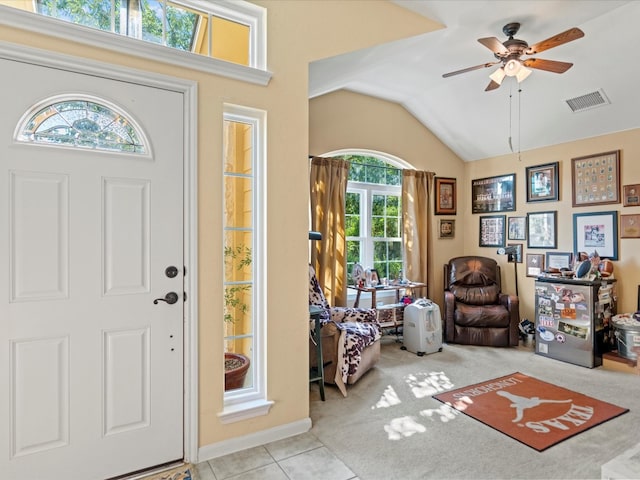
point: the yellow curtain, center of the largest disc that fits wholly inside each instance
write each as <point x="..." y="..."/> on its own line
<point x="329" y="178"/>
<point x="416" y="218"/>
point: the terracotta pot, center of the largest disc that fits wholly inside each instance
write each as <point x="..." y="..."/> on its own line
<point x="235" y="370"/>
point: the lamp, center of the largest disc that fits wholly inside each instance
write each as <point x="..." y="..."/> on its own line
<point x="498" y="76"/>
<point x="512" y="67"/>
<point x="512" y="252"/>
<point x="523" y="73"/>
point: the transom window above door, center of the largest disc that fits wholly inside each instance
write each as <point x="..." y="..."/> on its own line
<point x="225" y="37"/>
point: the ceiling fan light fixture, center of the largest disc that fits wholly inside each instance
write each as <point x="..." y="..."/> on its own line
<point x="498" y="76"/>
<point x="523" y="73"/>
<point x="512" y="67"/>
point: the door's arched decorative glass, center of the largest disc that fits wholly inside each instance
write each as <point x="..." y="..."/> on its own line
<point x="82" y="123"/>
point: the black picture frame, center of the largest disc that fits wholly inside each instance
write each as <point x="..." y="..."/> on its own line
<point x="542" y="229"/>
<point x="517" y="228"/>
<point x="559" y="260"/>
<point x="494" y="194"/>
<point x="447" y="228"/>
<point x="516" y="257"/>
<point x="543" y="183"/>
<point x="493" y="229"/>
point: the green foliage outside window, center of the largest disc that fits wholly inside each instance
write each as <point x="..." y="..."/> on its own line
<point x="105" y="15"/>
<point x="385" y="215"/>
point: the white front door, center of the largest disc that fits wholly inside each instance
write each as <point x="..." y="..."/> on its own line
<point x="91" y="368"/>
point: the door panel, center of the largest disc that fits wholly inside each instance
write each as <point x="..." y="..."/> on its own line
<point x="94" y="368"/>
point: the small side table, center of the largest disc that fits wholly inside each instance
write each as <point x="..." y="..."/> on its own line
<point x="383" y="288"/>
<point x="317" y="374"/>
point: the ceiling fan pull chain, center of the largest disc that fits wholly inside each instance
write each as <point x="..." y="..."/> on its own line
<point x="510" y="113"/>
<point x="519" y="123"/>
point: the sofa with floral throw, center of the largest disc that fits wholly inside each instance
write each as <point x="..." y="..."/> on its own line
<point x="350" y="339"/>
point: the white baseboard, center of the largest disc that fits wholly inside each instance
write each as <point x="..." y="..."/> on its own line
<point x="225" y="447"/>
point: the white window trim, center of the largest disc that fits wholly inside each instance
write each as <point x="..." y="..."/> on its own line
<point x="251" y="402"/>
<point x="237" y="10"/>
<point x="391" y="159"/>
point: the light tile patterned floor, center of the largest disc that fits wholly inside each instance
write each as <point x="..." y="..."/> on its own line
<point x="302" y="457"/>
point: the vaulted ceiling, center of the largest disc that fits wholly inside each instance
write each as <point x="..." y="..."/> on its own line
<point x="515" y="117"/>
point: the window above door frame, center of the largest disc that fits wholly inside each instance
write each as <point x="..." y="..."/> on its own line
<point x="257" y="73"/>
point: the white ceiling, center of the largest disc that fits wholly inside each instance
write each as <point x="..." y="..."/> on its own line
<point x="476" y="124"/>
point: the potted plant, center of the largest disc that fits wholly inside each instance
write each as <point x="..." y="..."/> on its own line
<point x="236" y="364"/>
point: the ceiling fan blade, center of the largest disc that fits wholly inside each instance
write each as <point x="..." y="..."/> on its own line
<point x="495" y="45"/>
<point x="492" y="86"/>
<point x="469" y="69"/>
<point x="548" y="65"/>
<point x="559" y="39"/>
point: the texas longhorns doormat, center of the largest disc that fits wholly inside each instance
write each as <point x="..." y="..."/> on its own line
<point x="536" y="413"/>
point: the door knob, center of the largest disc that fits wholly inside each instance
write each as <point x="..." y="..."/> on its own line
<point x="170" y="298"/>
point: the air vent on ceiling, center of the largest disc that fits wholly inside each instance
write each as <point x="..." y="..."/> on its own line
<point x="588" y="101"/>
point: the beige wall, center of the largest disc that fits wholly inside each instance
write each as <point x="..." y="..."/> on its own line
<point x="298" y="32"/>
<point x="345" y="119"/>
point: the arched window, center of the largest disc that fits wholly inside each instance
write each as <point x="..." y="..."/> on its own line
<point x="374" y="212"/>
<point x="81" y="123"/>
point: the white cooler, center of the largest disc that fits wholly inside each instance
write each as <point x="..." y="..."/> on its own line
<point x="422" y="327"/>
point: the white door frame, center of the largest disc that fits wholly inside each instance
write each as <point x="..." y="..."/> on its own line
<point x="189" y="90"/>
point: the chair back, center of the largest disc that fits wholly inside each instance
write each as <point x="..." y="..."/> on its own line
<point x="473" y="280"/>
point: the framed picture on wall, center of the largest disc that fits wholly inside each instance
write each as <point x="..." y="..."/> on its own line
<point x="517" y="257"/>
<point x="596" y="231"/>
<point x="542" y="182"/>
<point x="493" y="194"/>
<point x="447" y="228"/>
<point x="517" y="228"/>
<point x="595" y="179"/>
<point x="445" y="196"/>
<point x="542" y="230"/>
<point x="492" y="230"/>
<point x="630" y="226"/>
<point x="631" y="195"/>
<point x="535" y="264"/>
<point x="559" y="260"/>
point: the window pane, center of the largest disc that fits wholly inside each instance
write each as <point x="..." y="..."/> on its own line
<point x="82" y="123"/>
<point x="181" y="27"/>
<point x="378" y="205"/>
<point x="393" y="227"/>
<point x="377" y="227"/>
<point x="238" y="201"/>
<point x="352" y="225"/>
<point x="238" y="147"/>
<point x="352" y="205"/>
<point x="230" y="41"/>
<point x="393" y="203"/>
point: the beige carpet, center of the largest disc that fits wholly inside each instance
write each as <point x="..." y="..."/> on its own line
<point x="390" y="427"/>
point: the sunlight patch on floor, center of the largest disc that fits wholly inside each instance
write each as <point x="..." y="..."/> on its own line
<point x="420" y="385"/>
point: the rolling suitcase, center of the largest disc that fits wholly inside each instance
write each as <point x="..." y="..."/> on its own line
<point x="422" y="328"/>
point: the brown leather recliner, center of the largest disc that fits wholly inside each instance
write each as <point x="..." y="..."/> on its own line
<point x="476" y="311"/>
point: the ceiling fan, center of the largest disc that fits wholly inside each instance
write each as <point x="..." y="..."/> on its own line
<point x="509" y="53"/>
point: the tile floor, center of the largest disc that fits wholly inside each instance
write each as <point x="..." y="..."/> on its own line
<point x="302" y="457"/>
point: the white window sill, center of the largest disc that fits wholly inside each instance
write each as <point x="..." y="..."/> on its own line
<point x="245" y="410"/>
